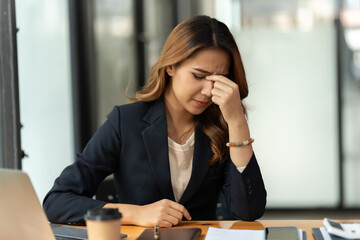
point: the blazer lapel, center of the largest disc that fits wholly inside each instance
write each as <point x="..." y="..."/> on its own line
<point x="156" y="144"/>
<point x="202" y="154"/>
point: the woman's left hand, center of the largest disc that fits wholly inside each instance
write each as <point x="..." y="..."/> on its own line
<point x="225" y="94"/>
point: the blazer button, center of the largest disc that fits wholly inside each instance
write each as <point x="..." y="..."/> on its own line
<point x="247" y="181"/>
<point x="249" y="191"/>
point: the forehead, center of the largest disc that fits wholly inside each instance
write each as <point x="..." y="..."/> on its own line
<point x="213" y="60"/>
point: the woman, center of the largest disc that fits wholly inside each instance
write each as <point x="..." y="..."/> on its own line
<point x="168" y="150"/>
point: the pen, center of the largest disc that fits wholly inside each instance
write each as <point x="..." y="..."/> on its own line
<point x="157" y="232"/>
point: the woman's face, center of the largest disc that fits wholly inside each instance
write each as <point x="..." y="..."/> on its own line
<point x="188" y="91"/>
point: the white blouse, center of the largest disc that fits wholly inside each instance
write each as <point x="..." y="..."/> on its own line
<point x="181" y="161"/>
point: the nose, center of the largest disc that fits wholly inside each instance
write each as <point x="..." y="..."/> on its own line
<point x="207" y="87"/>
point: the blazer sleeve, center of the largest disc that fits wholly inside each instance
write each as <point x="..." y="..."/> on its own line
<point x="71" y="196"/>
<point x="245" y="192"/>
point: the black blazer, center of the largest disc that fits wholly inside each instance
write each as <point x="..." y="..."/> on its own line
<point x="133" y="145"/>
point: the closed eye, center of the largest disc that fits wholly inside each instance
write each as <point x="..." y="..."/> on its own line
<point x="197" y="77"/>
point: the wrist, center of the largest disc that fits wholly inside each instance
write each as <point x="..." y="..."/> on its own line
<point x="129" y="212"/>
<point x="238" y="122"/>
<point x="132" y="214"/>
<point x="239" y="132"/>
<point x="238" y="126"/>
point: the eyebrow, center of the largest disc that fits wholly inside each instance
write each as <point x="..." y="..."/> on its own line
<point x="207" y="72"/>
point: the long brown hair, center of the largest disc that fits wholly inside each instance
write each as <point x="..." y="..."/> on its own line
<point x="189" y="36"/>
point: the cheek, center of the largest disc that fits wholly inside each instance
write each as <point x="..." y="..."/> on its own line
<point x="183" y="84"/>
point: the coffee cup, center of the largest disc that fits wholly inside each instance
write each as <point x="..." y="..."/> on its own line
<point x="103" y="224"/>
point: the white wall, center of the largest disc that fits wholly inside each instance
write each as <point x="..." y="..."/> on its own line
<point x="45" y="90"/>
<point x="293" y="113"/>
<point x="292" y="102"/>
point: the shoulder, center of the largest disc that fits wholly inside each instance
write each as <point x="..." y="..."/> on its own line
<point x="135" y="107"/>
<point x="131" y="111"/>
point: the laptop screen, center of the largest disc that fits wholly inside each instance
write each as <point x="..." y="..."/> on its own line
<point x="22" y="216"/>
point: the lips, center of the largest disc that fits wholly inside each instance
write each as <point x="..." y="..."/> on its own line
<point x="201" y="103"/>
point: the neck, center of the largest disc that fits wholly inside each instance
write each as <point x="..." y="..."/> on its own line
<point x="178" y="119"/>
<point x="180" y="123"/>
<point x="175" y="113"/>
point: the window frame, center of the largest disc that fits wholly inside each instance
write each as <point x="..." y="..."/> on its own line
<point x="10" y="143"/>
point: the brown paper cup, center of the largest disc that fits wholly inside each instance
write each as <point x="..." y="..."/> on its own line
<point x="103" y="224"/>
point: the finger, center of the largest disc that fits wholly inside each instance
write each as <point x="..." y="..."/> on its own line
<point x="176" y="206"/>
<point x="187" y="214"/>
<point x="220" y="78"/>
<point x="175" y="213"/>
<point x="224" y="87"/>
<point x="164" y="223"/>
<point x="218" y="92"/>
<point x="182" y="209"/>
<point x="217" y="100"/>
<point x="220" y="97"/>
<point x="171" y="219"/>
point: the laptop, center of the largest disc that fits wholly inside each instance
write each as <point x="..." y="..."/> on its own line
<point x="21" y="214"/>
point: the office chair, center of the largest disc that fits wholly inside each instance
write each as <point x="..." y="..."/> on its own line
<point x="106" y="191"/>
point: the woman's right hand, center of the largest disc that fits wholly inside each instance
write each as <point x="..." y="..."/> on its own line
<point x="164" y="212"/>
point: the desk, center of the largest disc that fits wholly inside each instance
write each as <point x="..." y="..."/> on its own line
<point x="134" y="231"/>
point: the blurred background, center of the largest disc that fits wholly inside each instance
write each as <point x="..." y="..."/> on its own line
<point x="77" y="59"/>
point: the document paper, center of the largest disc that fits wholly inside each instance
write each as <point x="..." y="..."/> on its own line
<point x="221" y="234"/>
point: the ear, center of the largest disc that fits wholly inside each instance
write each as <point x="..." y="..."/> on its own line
<point x="170" y="70"/>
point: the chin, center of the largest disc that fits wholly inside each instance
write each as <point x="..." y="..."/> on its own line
<point x="198" y="111"/>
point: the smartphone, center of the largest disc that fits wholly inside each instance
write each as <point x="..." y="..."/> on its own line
<point x="281" y="233"/>
<point x="344" y="230"/>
